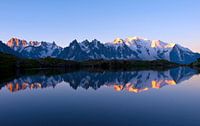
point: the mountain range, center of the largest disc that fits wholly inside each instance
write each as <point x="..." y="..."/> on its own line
<point x="134" y="48"/>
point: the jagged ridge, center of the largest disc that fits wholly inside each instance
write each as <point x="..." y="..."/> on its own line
<point x="134" y="48"/>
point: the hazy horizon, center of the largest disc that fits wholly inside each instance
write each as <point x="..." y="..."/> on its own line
<point x="63" y="21"/>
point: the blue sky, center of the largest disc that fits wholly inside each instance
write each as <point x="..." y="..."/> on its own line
<point x="65" y="20"/>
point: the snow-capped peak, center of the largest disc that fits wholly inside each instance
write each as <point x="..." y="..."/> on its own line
<point x="118" y="41"/>
<point x="170" y="45"/>
<point x="157" y="43"/>
<point x="135" y="42"/>
<point x="161" y="44"/>
<point x="135" y="38"/>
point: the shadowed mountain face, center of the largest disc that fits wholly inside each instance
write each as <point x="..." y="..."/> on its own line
<point x="6" y="49"/>
<point x="133" y="81"/>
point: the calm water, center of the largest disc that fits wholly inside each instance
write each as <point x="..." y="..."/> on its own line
<point x="140" y="98"/>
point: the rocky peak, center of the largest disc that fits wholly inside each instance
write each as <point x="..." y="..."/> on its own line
<point x="15" y="42"/>
<point x="34" y="43"/>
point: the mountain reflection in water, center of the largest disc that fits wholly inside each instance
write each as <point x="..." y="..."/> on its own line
<point x="131" y="81"/>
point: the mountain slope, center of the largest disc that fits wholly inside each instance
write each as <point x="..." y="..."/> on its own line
<point x="5" y="49"/>
<point x="34" y="49"/>
<point x="181" y="55"/>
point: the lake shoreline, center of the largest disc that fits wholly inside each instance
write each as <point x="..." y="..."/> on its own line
<point x="11" y="63"/>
